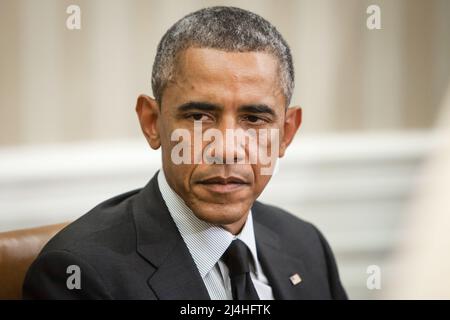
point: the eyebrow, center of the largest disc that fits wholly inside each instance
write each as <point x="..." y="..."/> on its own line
<point x="257" y="108"/>
<point x="203" y="106"/>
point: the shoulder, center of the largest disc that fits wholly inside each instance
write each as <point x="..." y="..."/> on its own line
<point x="101" y="236"/>
<point x="283" y="222"/>
<point x="99" y="227"/>
<point x="297" y="237"/>
<point x="301" y="239"/>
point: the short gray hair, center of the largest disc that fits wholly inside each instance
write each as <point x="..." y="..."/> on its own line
<point x="224" y="28"/>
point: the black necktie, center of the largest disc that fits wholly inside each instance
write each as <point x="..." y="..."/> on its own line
<point x="237" y="258"/>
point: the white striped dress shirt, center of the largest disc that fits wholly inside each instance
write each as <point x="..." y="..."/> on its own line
<point x="207" y="242"/>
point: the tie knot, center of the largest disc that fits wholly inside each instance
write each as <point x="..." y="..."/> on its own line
<point x="237" y="258"/>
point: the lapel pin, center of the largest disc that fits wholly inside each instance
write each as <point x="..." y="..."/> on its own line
<point x="295" y="279"/>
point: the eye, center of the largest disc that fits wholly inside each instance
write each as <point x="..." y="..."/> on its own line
<point x="254" y="119"/>
<point x="199" y="116"/>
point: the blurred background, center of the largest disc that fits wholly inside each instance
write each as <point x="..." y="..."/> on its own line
<point x="369" y="167"/>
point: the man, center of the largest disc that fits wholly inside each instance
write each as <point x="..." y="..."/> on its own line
<point x="196" y="231"/>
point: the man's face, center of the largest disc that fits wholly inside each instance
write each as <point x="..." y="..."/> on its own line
<point x="222" y="90"/>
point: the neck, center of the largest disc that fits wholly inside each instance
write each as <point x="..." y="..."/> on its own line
<point x="236" y="227"/>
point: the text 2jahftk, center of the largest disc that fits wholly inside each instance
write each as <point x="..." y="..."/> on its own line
<point x="227" y="309"/>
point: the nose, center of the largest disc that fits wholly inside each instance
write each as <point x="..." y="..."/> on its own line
<point x="232" y="147"/>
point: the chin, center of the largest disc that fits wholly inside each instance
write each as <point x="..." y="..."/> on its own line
<point x="221" y="214"/>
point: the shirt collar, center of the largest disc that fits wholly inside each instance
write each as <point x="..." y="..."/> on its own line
<point x="206" y="242"/>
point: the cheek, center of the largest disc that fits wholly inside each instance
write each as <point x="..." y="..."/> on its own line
<point x="260" y="180"/>
<point x="179" y="175"/>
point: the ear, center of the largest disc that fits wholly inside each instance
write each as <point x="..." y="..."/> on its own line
<point x="147" y="110"/>
<point x="292" y="122"/>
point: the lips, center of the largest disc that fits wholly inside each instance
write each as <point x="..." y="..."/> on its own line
<point x="223" y="180"/>
<point x="219" y="184"/>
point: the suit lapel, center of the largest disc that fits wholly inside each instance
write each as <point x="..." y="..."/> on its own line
<point x="277" y="265"/>
<point x="176" y="276"/>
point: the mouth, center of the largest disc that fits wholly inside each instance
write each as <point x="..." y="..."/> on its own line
<point x="220" y="184"/>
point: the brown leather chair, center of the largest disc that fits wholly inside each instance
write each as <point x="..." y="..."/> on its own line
<point x="18" y="249"/>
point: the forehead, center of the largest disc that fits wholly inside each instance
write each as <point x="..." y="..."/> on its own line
<point x="211" y="74"/>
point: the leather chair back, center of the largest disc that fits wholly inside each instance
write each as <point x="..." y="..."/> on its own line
<point x="18" y="249"/>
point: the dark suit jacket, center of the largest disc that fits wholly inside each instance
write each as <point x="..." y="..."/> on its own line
<point x="128" y="247"/>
